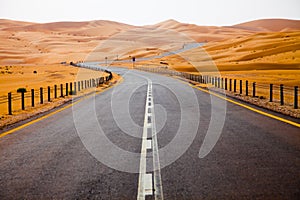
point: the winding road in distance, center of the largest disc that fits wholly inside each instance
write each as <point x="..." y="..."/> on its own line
<point x="141" y="140"/>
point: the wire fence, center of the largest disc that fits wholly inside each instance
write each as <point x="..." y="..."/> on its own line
<point x="25" y="99"/>
<point x="284" y="95"/>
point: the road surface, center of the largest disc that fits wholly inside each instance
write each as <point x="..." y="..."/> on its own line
<point x="92" y="150"/>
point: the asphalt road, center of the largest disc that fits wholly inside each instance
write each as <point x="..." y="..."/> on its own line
<point x="92" y="150"/>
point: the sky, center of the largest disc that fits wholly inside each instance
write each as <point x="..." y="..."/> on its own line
<point x="146" y="12"/>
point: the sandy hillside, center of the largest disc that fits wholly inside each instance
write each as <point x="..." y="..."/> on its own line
<point x="203" y="33"/>
<point x="272" y="43"/>
<point x="51" y="43"/>
<point x="261" y="51"/>
<point x="271" y="25"/>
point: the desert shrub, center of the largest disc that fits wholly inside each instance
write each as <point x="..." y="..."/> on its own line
<point x="35" y="72"/>
<point x="262" y="97"/>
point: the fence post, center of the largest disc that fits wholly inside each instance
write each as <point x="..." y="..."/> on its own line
<point x="23" y="100"/>
<point x="230" y="84"/>
<point x="41" y="95"/>
<point x="241" y="87"/>
<point x="61" y="90"/>
<point x="271" y="92"/>
<point x="222" y="83"/>
<point x="67" y="89"/>
<point x="71" y="88"/>
<point x="55" y="91"/>
<point x="216" y="81"/>
<point x="75" y="89"/>
<point x="225" y="83"/>
<point x="234" y="85"/>
<point x="254" y="84"/>
<point x="281" y="95"/>
<point x="296" y="97"/>
<point x="49" y="92"/>
<point x="32" y="97"/>
<point x="246" y="88"/>
<point x="9" y="104"/>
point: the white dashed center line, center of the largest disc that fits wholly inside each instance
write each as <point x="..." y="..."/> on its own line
<point x="149" y="183"/>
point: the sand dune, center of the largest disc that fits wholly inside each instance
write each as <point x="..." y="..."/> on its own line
<point x="6" y="23"/>
<point x="90" y="28"/>
<point x="261" y="51"/>
<point x="202" y="33"/>
<point x="270" y="25"/>
<point x="26" y="43"/>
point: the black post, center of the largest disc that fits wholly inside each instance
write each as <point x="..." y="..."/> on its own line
<point x="225" y="83"/>
<point x="254" y="84"/>
<point x="49" y="92"/>
<point x="78" y="86"/>
<point x="230" y="84"/>
<point x="222" y="83"/>
<point x="67" y="89"/>
<point x="281" y="95"/>
<point x="23" y="100"/>
<point x="234" y="85"/>
<point x="71" y="88"/>
<point x="246" y="88"/>
<point x="75" y="88"/>
<point x="82" y="85"/>
<point x="61" y="90"/>
<point x="241" y="87"/>
<point x="41" y="96"/>
<point x="296" y="97"/>
<point x="55" y="91"/>
<point x="271" y="92"/>
<point x="219" y="82"/>
<point x="32" y="97"/>
<point x="9" y="104"/>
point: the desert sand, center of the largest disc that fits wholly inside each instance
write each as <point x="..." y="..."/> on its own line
<point x="261" y="50"/>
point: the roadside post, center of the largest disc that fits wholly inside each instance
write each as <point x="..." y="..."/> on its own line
<point x="133" y="61"/>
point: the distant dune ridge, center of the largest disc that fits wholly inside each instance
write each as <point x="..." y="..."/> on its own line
<point x="261" y="41"/>
<point x="271" y="25"/>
